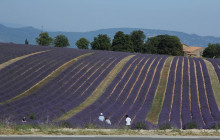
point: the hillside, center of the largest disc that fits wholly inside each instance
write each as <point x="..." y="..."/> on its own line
<point x="18" y="35"/>
<point x="64" y="85"/>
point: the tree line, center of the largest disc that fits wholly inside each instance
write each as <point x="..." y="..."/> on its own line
<point x="133" y="42"/>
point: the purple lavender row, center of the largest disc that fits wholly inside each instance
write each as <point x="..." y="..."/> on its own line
<point x="10" y="51"/>
<point x="120" y="108"/>
<point x="29" y="75"/>
<point x="164" y="114"/>
<point x="195" y="104"/>
<point x="210" y="95"/>
<point x="144" y="107"/>
<point x="41" y="95"/>
<point x="18" y="86"/>
<point x="175" y="119"/>
<point x="202" y="97"/>
<point x="186" y="110"/>
<point x="85" y="95"/>
<point x="52" y="97"/>
<point x="106" y="100"/>
<point x="216" y="66"/>
<point x="141" y="96"/>
<point x="18" y="68"/>
<point x="88" y="92"/>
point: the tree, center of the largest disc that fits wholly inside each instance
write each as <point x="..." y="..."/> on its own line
<point x="26" y="42"/>
<point x="164" y="44"/>
<point x="122" y="42"/>
<point x="44" y="39"/>
<point x="213" y="50"/>
<point x="102" y="42"/>
<point x="82" y="43"/>
<point x="61" y="41"/>
<point x="137" y="38"/>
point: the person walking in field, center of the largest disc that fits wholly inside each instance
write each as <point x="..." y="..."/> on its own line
<point x="101" y="117"/>
<point x="108" y="121"/>
<point x="24" y="120"/>
<point x="127" y="120"/>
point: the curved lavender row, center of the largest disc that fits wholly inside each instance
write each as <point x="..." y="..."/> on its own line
<point x="211" y="99"/>
<point x="108" y="111"/>
<point x="175" y="112"/>
<point x="10" y="51"/>
<point x="9" y="72"/>
<point x="215" y="65"/>
<point x="84" y="96"/>
<point x="80" y="99"/>
<point x="186" y="112"/>
<point x="164" y="114"/>
<point x="40" y="95"/>
<point x="121" y="108"/>
<point x="195" y="110"/>
<point x="14" y="86"/>
<point x="204" y="106"/>
<point x="18" y="87"/>
<point x="53" y="56"/>
<point x="53" y="97"/>
<point x="105" y="100"/>
<point x="141" y="108"/>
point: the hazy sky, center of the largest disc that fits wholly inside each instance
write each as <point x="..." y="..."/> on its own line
<point x="201" y="17"/>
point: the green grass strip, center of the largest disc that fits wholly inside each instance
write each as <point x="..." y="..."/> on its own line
<point x="9" y="62"/>
<point x="98" y="91"/>
<point x="46" y="79"/>
<point x="214" y="81"/>
<point x="156" y="107"/>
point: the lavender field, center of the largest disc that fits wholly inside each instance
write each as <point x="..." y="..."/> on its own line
<point x="63" y="85"/>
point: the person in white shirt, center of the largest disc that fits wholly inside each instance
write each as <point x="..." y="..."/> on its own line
<point x="101" y="117"/>
<point x="108" y="121"/>
<point x="127" y="121"/>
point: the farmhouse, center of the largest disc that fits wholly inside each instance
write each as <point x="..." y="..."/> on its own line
<point x="192" y="51"/>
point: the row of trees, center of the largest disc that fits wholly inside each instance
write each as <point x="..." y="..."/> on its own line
<point x="133" y="42"/>
<point x="212" y="51"/>
<point x="45" y="40"/>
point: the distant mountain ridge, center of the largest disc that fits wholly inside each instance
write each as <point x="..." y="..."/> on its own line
<point x="18" y="35"/>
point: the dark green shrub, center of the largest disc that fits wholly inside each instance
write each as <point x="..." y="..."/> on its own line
<point x="165" y="126"/>
<point x="32" y="116"/>
<point x="191" y="125"/>
<point x="140" y="125"/>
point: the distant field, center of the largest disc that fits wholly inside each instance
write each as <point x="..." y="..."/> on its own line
<point x="72" y="87"/>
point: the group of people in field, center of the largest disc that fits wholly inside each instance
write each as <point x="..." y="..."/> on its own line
<point x="127" y="119"/>
<point x="102" y="119"/>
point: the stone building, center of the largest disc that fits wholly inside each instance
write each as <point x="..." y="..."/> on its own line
<point x="192" y="51"/>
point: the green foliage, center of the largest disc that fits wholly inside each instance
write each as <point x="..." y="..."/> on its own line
<point x="137" y="38"/>
<point x="165" y="126"/>
<point x="61" y="41"/>
<point x="44" y="39"/>
<point x="140" y="125"/>
<point x="122" y="42"/>
<point x="164" y="44"/>
<point x="90" y="126"/>
<point x="65" y="124"/>
<point x="213" y="50"/>
<point x="82" y="43"/>
<point x="26" y="42"/>
<point x="191" y="125"/>
<point x="102" y="42"/>
<point x="31" y="116"/>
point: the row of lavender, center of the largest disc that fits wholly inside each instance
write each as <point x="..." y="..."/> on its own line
<point x="65" y="91"/>
<point x="189" y="96"/>
<point x="23" y="74"/>
<point x="10" y="51"/>
<point x="131" y="92"/>
<point x="216" y="65"/>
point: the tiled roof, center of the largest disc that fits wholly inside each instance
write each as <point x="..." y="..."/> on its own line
<point x="192" y="49"/>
